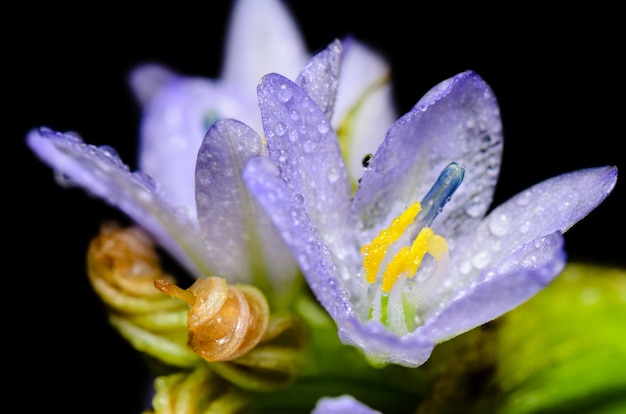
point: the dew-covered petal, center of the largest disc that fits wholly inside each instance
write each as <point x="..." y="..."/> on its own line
<point x="234" y="227"/>
<point x="509" y="283"/>
<point x="304" y="146"/>
<point x="100" y="172"/>
<point x="342" y="404"/>
<point x="553" y="205"/>
<point x="173" y="124"/>
<point x="456" y="121"/>
<point x="365" y="107"/>
<point x="262" y="38"/>
<point x="320" y="77"/>
<point x="287" y="211"/>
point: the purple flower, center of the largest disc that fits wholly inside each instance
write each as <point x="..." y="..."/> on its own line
<point x="413" y="257"/>
<point x="201" y="212"/>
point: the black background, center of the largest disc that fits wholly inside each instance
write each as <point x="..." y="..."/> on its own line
<point x="558" y="75"/>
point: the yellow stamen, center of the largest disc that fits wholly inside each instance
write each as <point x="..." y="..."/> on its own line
<point x="407" y="260"/>
<point x="375" y="251"/>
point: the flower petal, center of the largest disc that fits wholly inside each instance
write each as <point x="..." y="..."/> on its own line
<point x="456" y="121"/>
<point x="100" y="172"/>
<point x="365" y="108"/>
<point x="503" y="287"/>
<point x="304" y="146"/>
<point x="234" y="227"/>
<point x="174" y="122"/>
<point x="553" y="205"/>
<point x="262" y="38"/>
<point x="286" y="209"/>
<point x="320" y="77"/>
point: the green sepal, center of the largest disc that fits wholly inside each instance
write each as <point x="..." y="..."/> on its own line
<point x="171" y="348"/>
<point x="196" y="392"/>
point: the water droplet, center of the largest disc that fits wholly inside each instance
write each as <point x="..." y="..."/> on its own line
<point x="145" y="179"/>
<point x="523" y="199"/>
<point x="475" y="207"/>
<point x="499" y="225"/>
<point x="294" y="115"/>
<point x="323" y="127"/>
<point x="480" y="260"/>
<point x="333" y="175"/>
<point x="109" y="151"/>
<point x="298" y="198"/>
<point x="284" y="93"/>
<point x="293" y="135"/>
<point x="465" y="268"/>
<point x="280" y="129"/>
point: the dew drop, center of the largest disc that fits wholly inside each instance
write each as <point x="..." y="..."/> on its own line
<point x="284" y="93"/>
<point x="499" y="225"/>
<point x="298" y="198"/>
<point x="475" y="207"/>
<point x="333" y="175"/>
<point x="109" y="151"/>
<point x="280" y="129"/>
<point x="145" y="179"/>
<point x="294" y="115"/>
<point x="323" y="127"/>
<point x="523" y="199"/>
<point x="480" y="260"/>
<point x="293" y="135"/>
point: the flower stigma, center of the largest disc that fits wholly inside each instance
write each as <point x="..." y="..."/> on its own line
<point x="406" y="261"/>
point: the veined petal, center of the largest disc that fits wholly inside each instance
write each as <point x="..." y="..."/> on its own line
<point x="320" y="77"/>
<point x="365" y="107"/>
<point x="304" y="146"/>
<point x="262" y="38"/>
<point x="174" y="122"/>
<point x="287" y="211"/>
<point x="100" y="172"/>
<point x="234" y="227"/>
<point x="502" y="287"/>
<point x="553" y="205"/>
<point x="456" y="121"/>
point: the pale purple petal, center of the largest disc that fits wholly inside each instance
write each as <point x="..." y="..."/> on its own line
<point x="553" y="205"/>
<point x="262" y="38"/>
<point x="287" y="211"/>
<point x="457" y="121"/>
<point x="344" y="404"/>
<point x="320" y="77"/>
<point x="174" y="122"/>
<point x="304" y="146"/>
<point x="501" y="288"/>
<point x="235" y="229"/>
<point x="365" y="107"/>
<point x="100" y="172"/>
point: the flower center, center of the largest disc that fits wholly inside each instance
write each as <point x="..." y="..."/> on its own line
<point x="419" y="216"/>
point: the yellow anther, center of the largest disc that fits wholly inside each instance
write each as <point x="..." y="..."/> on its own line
<point x="377" y="249"/>
<point x="407" y="260"/>
<point x="418" y="250"/>
<point x="437" y="246"/>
